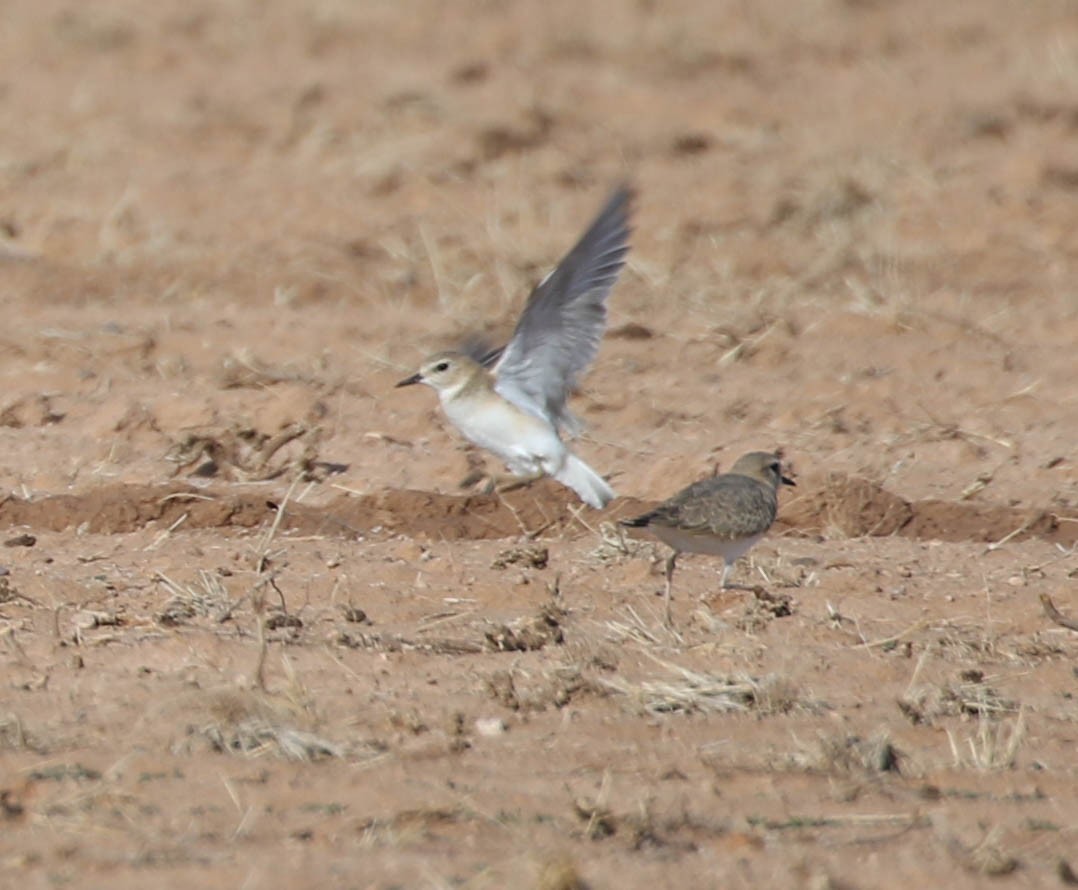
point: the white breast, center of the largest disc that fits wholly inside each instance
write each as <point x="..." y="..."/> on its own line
<point x="524" y="442"/>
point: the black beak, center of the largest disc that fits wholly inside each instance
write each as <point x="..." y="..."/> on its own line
<point x="408" y="381"/>
<point x="786" y="480"/>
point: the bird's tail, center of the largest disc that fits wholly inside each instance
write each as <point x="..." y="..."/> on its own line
<point x="582" y="479"/>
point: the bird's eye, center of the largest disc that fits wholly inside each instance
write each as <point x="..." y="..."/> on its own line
<point x="442" y="366"/>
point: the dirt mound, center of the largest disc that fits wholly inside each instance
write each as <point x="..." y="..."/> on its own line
<point x="857" y="507"/>
<point x="116" y="509"/>
<point x="852" y="506"/>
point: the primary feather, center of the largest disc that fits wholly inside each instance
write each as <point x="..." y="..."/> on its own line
<point x="562" y="324"/>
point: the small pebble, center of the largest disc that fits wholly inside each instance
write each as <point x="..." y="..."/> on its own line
<point x="490" y="726"/>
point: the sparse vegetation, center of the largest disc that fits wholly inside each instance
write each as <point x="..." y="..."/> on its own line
<point x="252" y="631"/>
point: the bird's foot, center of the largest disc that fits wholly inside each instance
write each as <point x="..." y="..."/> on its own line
<point x="503" y="484"/>
<point x="749" y="588"/>
<point x="493" y="483"/>
<point x="474" y="478"/>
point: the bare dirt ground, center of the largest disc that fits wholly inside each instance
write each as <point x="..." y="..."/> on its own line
<point x="253" y="635"/>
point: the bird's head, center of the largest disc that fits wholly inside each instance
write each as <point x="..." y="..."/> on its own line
<point x="763" y="465"/>
<point x="446" y="372"/>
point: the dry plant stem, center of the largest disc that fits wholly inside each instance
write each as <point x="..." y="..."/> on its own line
<point x="916" y="626"/>
<point x="259" y="603"/>
<point x="530" y="534"/>
<point x="1025" y="526"/>
<point x="258" y="596"/>
<point x="1058" y="617"/>
<point x="277" y="442"/>
<point x="264" y="546"/>
<point x="671" y="563"/>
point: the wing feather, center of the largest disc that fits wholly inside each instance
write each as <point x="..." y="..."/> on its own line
<point x="562" y="324"/>
<point x="720" y="503"/>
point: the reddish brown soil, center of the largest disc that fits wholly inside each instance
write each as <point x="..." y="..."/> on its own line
<point x="254" y="635"/>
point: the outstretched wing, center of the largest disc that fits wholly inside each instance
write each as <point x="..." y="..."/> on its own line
<point x="559" y="332"/>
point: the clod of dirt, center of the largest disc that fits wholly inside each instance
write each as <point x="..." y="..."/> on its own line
<point x="355" y="615"/>
<point x="411" y="721"/>
<point x="762" y="609"/>
<point x="8" y="591"/>
<point x="631" y="330"/>
<point x="470" y="73"/>
<point x="242" y="453"/>
<point x="496" y="141"/>
<point x="458" y="741"/>
<point x="1060" y="175"/>
<point x="279" y="620"/>
<point x="87" y="620"/>
<point x="502" y="688"/>
<point x="560" y="874"/>
<point x="175" y="613"/>
<point x="554" y="689"/>
<point x="10" y="806"/>
<point x="779" y="605"/>
<point x="532" y="556"/>
<point x="21" y="541"/>
<point x="29" y="411"/>
<point x="600" y="821"/>
<point x="691" y="144"/>
<point x="529" y="634"/>
<point x="851" y="753"/>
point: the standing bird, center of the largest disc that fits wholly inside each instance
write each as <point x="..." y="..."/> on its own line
<point x="721" y="516"/>
<point x="516" y="409"/>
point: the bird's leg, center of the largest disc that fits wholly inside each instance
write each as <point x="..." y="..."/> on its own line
<point x="726" y="585"/>
<point x="502" y="484"/>
<point x="477" y="468"/>
<point x="497" y="482"/>
<point x="723" y="585"/>
<point x="474" y="477"/>
<point x="671" y="561"/>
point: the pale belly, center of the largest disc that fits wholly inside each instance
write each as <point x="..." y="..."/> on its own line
<point x="684" y="542"/>
<point x="526" y="444"/>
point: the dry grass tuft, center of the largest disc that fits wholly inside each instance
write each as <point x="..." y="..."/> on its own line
<point x="255" y="735"/>
<point x="254" y="724"/>
<point x="186" y="601"/>
<point x="697" y="692"/>
<point x="636" y="628"/>
<point x="984" y="858"/>
<point x="843" y="754"/>
<point x="969" y="696"/>
<point x="615" y="545"/>
<point x="993" y="747"/>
